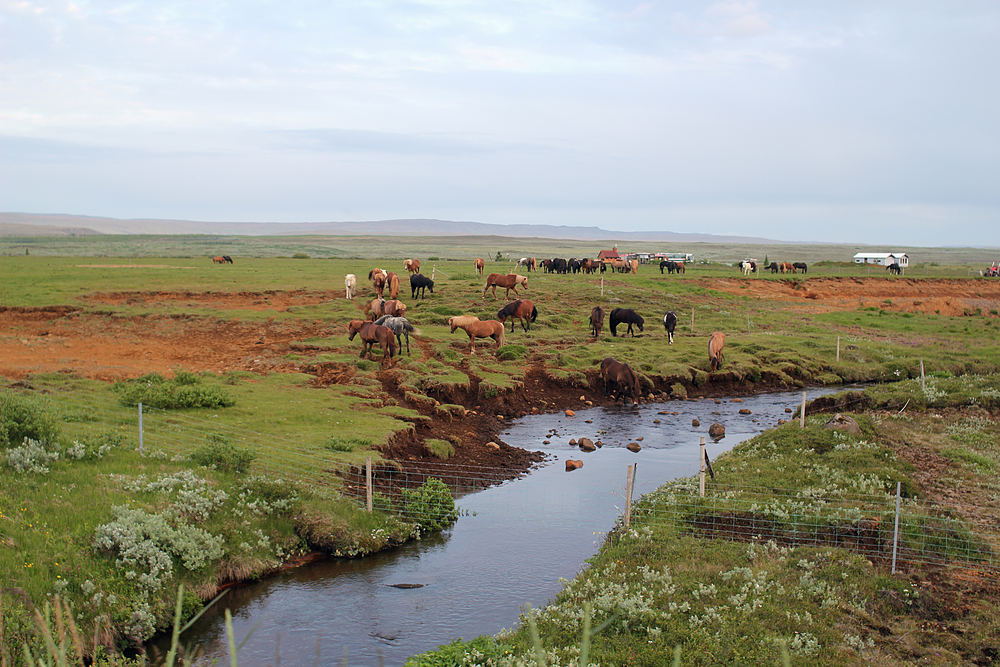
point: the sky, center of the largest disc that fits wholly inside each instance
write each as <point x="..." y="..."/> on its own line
<point x="834" y="121"/>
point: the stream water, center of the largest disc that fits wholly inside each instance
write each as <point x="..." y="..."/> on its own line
<point x="511" y="550"/>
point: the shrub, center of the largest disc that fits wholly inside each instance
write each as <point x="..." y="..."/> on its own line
<point x="441" y="449"/>
<point x="300" y="255"/>
<point x="346" y="443"/>
<point x="184" y="391"/>
<point x="430" y="505"/>
<point x="222" y="455"/>
<point x="511" y="352"/>
<point x="31" y="457"/>
<point x="22" y="417"/>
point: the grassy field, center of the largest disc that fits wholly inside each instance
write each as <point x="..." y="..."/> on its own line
<point x="266" y="329"/>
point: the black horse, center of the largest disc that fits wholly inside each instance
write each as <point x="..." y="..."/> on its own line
<point x="670" y="323"/>
<point x="664" y="264"/>
<point x="801" y="266"/>
<point x="597" y="321"/>
<point x="420" y="283"/>
<point x="773" y="266"/>
<point x="625" y="316"/>
<point x="894" y="269"/>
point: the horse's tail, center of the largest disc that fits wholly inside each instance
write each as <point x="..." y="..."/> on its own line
<point x="502" y="340"/>
<point x="534" y="313"/>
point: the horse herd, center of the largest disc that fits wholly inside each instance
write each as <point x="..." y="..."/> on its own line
<point x="748" y="266"/>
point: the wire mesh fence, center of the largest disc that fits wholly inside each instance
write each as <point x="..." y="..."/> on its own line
<point x="920" y="532"/>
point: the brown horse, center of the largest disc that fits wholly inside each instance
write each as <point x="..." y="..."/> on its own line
<point x="786" y="267"/>
<point x="477" y="328"/>
<point x="510" y="281"/>
<point x="394" y="308"/>
<point x="392" y="282"/>
<point x="597" y="321"/>
<point x="522" y="309"/>
<point x="412" y="265"/>
<point x="373" y="308"/>
<point x="219" y="260"/>
<point x="715" y="343"/>
<point x="378" y="278"/>
<point x="479" y="266"/>
<point x="619" y="376"/>
<point x="373" y="333"/>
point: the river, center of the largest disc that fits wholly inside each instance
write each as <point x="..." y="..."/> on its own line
<point x="509" y="550"/>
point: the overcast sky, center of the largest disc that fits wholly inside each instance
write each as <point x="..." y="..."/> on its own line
<point x="841" y="121"/>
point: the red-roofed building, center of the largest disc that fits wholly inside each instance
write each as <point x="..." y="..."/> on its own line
<point x="608" y="254"/>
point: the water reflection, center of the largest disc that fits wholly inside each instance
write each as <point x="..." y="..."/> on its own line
<point x="511" y="550"/>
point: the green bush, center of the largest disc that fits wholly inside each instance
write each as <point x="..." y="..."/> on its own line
<point x="300" y="255"/>
<point x="347" y="443"/>
<point x="441" y="449"/>
<point x="184" y="391"/>
<point x="430" y="505"/>
<point x="22" y="417"/>
<point x="511" y="352"/>
<point x="222" y="455"/>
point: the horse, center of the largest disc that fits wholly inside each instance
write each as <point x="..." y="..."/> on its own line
<point x="394" y="308"/>
<point x="411" y="265"/>
<point x="531" y="265"/>
<point x="350" y="285"/>
<point x="894" y="269"/>
<point x="588" y="265"/>
<point x="574" y="265"/>
<point x="227" y="259"/>
<point x="522" y="262"/>
<point x="635" y="266"/>
<point x="372" y="333"/>
<point x="619" y="375"/>
<point x="420" y="283"/>
<point x="620" y="265"/>
<point x="558" y="265"/>
<point x="625" y="316"/>
<point x="665" y="264"/>
<point x="679" y="267"/>
<point x="801" y="266"/>
<point x="399" y="326"/>
<point x="522" y="309"/>
<point x="378" y="278"/>
<point x="597" y="321"/>
<point x="479" y="265"/>
<point x="785" y="267"/>
<point x="509" y="281"/>
<point x="715" y="343"/>
<point x="773" y="266"/>
<point x="392" y="281"/>
<point x="373" y="308"/>
<point x="670" y="323"/>
<point x="748" y="267"/>
<point x="477" y="328"/>
<point x="219" y="259"/>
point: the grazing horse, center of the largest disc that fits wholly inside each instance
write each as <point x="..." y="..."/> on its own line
<point x="378" y="278"/>
<point x="392" y="282"/>
<point x="748" y="267"/>
<point x="219" y="259"/>
<point x="522" y="309"/>
<point x="617" y="376"/>
<point x="477" y="328"/>
<point x="801" y="266"/>
<point x="350" y="285"/>
<point x="510" y="281"/>
<point x="773" y="266"/>
<point x="635" y="266"/>
<point x="785" y="267"/>
<point x="374" y="308"/>
<point x="480" y="263"/>
<point x="394" y="308"/>
<point x="523" y="262"/>
<point x="399" y="326"/>
<point x="894" y="269"/>
<point x="227" y="259"/>
<point x="597" y="321"/>
<point x="420" y="283"/>
<point x="532" y="265"/>
<point x="670" y="323"/>
<point x="715" y="343"/>
<point x="411" y="265"/>
<point x="372" y="333"/>
<point x="664" y="264"/>
<point x="679" y="267"/>
<point x="625" y="316"/>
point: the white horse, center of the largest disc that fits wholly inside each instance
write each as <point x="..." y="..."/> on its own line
<point x="747" y="267"/>
<point x="350" y="285"/>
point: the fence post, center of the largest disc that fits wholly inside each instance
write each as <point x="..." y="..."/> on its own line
<point x="802" y="417"/>
<point x="692" y="320"/>
<point x="701" y="469"/>
<point x="602" y="285"/>
<point x="923" y="387"/>
<point x="748" y="322"/>
<point x="140" y="428"/>
<point x="629" y="481"/>
<point x="895" y="532"/>
<point x="368" y="482"/>
<point x="838" y="348"/>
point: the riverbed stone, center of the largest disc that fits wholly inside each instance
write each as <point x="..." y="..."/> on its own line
<point x="744" y="411"/>
<point x="492" y="445"/>
<point x="716" y="430"/>
<point x="570" y="413"/>
<point x="586" y="444"/>
<point x="573" y="464"/>
<point x="695" y="422"/>
<point x="737" y="400"/>
<point x="633" y="446"/>
<point x="843" y="423"/>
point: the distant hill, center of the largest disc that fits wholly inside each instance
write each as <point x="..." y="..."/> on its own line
<point x="34" y="224"/>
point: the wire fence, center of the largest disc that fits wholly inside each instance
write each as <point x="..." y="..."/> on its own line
<point x="916" y="531"/>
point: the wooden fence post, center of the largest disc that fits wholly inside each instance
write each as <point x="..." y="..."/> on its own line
<point x="802" y="417"/>
<point x="629" y="482"/>
<point x="692" y="320"/>
<point x="838" y="348"/>
<point x="923" y="387"/>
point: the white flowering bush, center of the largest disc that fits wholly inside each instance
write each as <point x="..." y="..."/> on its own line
<point x="32" y="456"/>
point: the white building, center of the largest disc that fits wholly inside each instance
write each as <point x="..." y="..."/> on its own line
<point x="882" y="258"/>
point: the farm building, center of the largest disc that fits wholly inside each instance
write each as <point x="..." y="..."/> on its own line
<point x="608" y="254"/>
<point x="882" y="258"/>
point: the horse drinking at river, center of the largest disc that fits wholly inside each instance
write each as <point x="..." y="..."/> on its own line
<point x="477" y="328"/>
<point x="619" y="376"/>
<point x="625" y="316"/>
<point x="522" y="309"/>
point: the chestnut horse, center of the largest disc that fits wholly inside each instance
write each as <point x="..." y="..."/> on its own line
<point x="479" y="265"/>
<point x="786" y="267"/>
<point x="219" y="260"/>
<point x="715" y="343"/>
<point x="617" y="376"/>
<point x="394" y="308"/>
<point x="392" y="282"/>
<point x="522" y="309"/>
<point x="597" y="321"/>
<point x="378" y="278"/>
<point x="509" y="281"/>
<point x="372" y="333"/>
<point x="412" y="265"/>
<point x="477" y="328"/>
